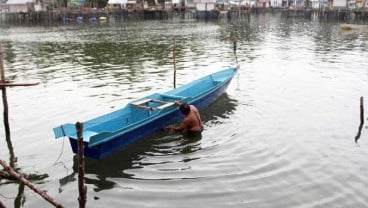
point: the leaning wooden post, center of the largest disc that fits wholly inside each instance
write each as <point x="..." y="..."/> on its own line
<point x="174" y="63"/>
<point x="234" y="49"/>
<point x="234" y="46"/>
<point x="2" y="205"/>
<point x="3" y="85"/>
<point x="361" y="110"/>
<point x="82" y="188"/>
<point x="24" y="181"/>
<point x="5" y="100"/>
<point x="361" y="119"/>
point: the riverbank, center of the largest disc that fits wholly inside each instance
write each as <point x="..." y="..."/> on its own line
<point x="67" y="16"/>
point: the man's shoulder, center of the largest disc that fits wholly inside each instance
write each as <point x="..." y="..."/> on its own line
<point x="193" y="107"/>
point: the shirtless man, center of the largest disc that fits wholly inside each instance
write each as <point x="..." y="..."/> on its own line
<point x="192" y="122"/>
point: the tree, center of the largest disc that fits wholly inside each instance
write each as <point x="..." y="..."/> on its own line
<point x="97" y="3"/>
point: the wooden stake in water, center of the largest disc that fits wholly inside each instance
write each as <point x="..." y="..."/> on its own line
<point x="234" y="46"/>
<point x="174" y="63"/>
<point x="2" y="205"/>
<point x="361" y="110"/>
<point x="361" y="119"/>
<point x="5" y="100"/>
<point x="82" y="188"/>
<point x="3" y="85"/>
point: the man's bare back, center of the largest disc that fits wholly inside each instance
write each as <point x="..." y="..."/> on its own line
<point x="192" y="122"/>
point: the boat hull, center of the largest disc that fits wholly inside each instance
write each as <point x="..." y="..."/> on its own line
<point x="124" y="140"/>
<point x="111" y="132"/>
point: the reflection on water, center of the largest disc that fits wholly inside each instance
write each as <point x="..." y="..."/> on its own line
<point x="20" y="198"/>
<point x="361" y="120"/>
<point x="154" y="151"/>
<point x="357" y="137"/>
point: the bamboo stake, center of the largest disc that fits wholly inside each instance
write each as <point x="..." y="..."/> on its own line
<point x="174" y="63"/>
<point x="6" y="175"/>
<point x="82" y="188"/>
<point x="361" y="120"/>
<point x="2" y="205"/>
<point x="24" y="181"/>
<point x="234" y="49"/>
<point x="361" y="110"/>
<point x="3" y="85"/>
<point x="20" y="196"/>
<point x="5" y="100"/>
<point x="9" y="84"/>
<point x="234" y="46"/>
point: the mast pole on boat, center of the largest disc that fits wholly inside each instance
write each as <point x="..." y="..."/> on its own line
<point x="174" y="63"/>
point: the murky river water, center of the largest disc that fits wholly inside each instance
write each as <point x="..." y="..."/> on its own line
<point x="282" y="136"/>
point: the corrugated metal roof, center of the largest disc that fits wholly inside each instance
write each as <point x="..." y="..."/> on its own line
<point x="18" y="1"/>
<point x="117" y="1"/>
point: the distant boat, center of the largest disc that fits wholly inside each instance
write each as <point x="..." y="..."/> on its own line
<point x="66" y="20"/>
<point x="113" y="131"/>
<point x="102" y="19"/>
<point x="79" y="19"/>
<point x="353" y="27"/>
<point x="92" y="20"/>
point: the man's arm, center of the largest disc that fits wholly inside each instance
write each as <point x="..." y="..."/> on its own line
<point x="182" y="126"/>
<point x="177" y="103"/>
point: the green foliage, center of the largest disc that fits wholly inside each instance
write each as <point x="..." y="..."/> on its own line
<point x="97" y="3"/>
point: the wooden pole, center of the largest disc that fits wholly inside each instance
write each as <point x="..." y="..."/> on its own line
<point x="82" y="188"/>
<point x="234" y="46"/>
<point x="5" y="100"/>
<point x="174" y="63"/>
<point x="9" y="84"/>
<point x="6" y="175"/>
<point x="24" y="181"/>
<point x="3" y="85"/>
<point x="20" y="196"/>
<point x="2" y="205"/>
<point x="361" y="119"/>
<point x="361" y="110"/>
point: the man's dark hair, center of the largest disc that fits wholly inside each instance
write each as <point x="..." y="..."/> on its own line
<point x="184" y="108"/>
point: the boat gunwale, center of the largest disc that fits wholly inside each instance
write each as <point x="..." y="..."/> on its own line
<point x="133" y="126"/>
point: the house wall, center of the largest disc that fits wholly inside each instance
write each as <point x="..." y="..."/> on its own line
<point x="38" y="7"/>
<point x="17" y="8"/>
<point x="315" y="4"/>
<point x="360" y="3"/>
<point x="24" y="6"/>
<point x="263" y="3"/>
<point x="339" y="3"/>
<point x="276" y="3"/>
<point x="114" y="6"/>
<point x="205" y="6"/>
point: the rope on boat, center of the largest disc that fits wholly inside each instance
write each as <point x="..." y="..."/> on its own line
<point x="62" y="128"/>
<point x="61" y="153"/>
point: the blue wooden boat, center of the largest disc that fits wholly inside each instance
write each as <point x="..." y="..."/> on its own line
<point x="138" y="119"/>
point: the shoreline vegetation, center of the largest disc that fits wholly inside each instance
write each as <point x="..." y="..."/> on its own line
<point x="65" y="15"/>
